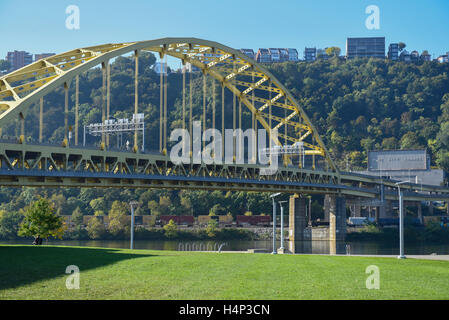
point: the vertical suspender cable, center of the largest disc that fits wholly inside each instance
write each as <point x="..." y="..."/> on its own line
<point x="222" y="120"/>
<point x="184" y="104"/>
<point x="77" y="101"/>
<point x="108" y="96"/>
<point x="161" y="103"/>
<point x="184" y="98"/>
<point x="165" y="105"/>
<point x="41" y="119"/>
<point x="191" y="110"/>
<point x="233" y="114"/>
<point x="136" y="97"/>
<point x="103" y="106"/>
<point x="213" y="103"/>
<point x="66" y="113"/>
<point x="22" y="128"/>
<point x="204" y="106"/>
<point x="253" y="116"/>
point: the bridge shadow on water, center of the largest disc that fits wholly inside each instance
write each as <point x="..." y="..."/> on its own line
<point x="23" y="265"/>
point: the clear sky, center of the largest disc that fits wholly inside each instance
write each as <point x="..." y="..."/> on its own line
<point x="39" y="26"/>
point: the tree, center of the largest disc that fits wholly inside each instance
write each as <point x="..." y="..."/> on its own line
<point x="95" y="228"/>
<point x="333" y="51"/>
<point x="98" y="204"/>
<point x="9" y="224"/>
<point x="171" y="229"/>
<point x="77" y="217"/>
<point x="410" y="140"/>
<point x="217" y="210"/>
<point x="4" y="65"/>
<point x="402" y="46"/>
<point x="41" y="220"/>
<point x="154" y="207"/>
<point x="118" y="222"/>
<point x="211" y="228"/>
<point x="164" y="204"/>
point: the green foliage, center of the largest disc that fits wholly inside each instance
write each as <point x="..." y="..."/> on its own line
<point x="171" y="229"/>
<point x="333" y="51"/>
<point x="211" y="228"/>
<point x="77" y="217"/>
<point x="9" y="224"/>
<point x="4" y="65"/>
<point x="40" y="220"/>
<point x="119" y="224"/>
<point x="217" y="210"/>
<point x="96" y="228"/>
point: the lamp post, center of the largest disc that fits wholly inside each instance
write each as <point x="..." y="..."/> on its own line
<point x="401" y="221"/>
<point x="132" y="204"/>
<point x="274" y="221"/>
<point x="282" y="226"/>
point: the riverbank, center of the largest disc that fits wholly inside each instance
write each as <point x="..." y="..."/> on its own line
<point x="32" y="272"/>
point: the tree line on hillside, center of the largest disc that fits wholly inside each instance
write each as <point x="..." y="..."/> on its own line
<point x="356" y="106"/>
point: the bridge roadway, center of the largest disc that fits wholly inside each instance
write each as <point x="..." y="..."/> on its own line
<point x="52" y="166"/>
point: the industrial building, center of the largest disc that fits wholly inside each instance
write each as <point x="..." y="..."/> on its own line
<point x="404" y="165"/>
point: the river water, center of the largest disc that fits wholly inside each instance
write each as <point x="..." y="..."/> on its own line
<point x="315" y="247"/>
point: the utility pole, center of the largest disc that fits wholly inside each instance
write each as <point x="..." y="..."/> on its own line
<point x="274" y="221"/>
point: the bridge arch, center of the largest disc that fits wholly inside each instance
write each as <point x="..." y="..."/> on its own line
<point x="250" y="81"/>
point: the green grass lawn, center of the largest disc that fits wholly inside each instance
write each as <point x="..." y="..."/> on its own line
<point x="31" y="272"/>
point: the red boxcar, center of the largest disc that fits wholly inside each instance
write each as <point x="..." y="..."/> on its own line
<point x="188" y="220"/>
<point x="254" y="220"/>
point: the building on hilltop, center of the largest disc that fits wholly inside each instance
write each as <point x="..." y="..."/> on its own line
<point x="443" y="58"/>
<point x="39" y="56"/>
<point x="321" y="54"/>
<point x="19" y="59"/>
<point x="263" y="55"/>
<point x="393" y="51"/>
<point x="292" y="54"/>
<point x="275" y="54"/>
<point x="373" y="47"/>
<point x="309" y="54"/>
<point x="405" y="56"/>
<point x="249" y="53"/>
<point x="414" y="56"/>
<point x="425" y="56"/>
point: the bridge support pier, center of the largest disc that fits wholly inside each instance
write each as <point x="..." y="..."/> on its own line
<point x="297" y="223"/>
<point x="326" y="207"/>
<point x="418" y="204"/>
<point x="337" y="222"/>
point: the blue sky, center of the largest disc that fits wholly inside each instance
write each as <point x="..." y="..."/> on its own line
<point x="39" y="26"/>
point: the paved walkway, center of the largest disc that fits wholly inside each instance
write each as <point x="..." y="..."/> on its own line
<point x="425" y="257"/>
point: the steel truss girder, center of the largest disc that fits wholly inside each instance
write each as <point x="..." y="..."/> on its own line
<point x="74" y="62"/>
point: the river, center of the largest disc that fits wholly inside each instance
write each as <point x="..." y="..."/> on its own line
<point x="315" y="247"/>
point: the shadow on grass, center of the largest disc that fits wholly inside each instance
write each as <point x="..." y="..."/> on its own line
<point x="22" y="265"/>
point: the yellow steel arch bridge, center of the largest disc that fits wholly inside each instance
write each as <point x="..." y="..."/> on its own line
<point x="272" y="107"/>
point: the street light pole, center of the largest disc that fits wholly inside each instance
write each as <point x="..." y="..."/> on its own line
<point x="401" y="221"/>
<point x="132" y="204"/>
<point x="282" y="226"/>
<point x="274" y="221"/>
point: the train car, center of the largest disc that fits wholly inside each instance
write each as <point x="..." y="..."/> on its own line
<point x="179" y="220"/>
<point x="254" y="220"/>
